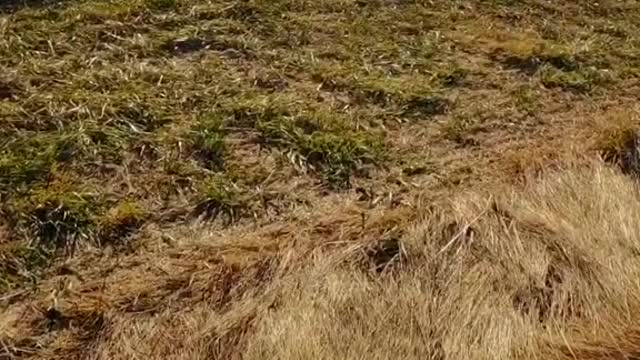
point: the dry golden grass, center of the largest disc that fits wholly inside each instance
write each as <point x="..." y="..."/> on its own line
<point x="548" y="270"/>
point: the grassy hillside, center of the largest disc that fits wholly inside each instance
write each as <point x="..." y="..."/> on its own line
<point x="318" y="179"/>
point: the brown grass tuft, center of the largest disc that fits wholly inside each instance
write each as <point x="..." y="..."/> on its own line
<point x="617" y="140"/>
<point x="537" y="273"/>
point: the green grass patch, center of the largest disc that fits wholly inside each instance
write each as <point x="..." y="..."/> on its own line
<point x="207" y="143"/>
<point x="26" y="158"/>
<point x="45" y="224"/>
<point x="323" y="145"/>
<point x="406" y="96"/>
<point x="459" y="129"/>
<point x="220" y="198"/>
<point x="21" y="264"/>
<point x="526" y="100"/>
<point x="583" y="80"/>
<point x="57" y="217"/>
<point x="121" y="222"/>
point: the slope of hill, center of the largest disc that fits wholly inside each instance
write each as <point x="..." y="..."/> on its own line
<point x="333" y="179"/>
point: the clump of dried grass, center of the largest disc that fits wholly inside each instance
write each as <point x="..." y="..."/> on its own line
<point x="545" y="271"/>
<point x="548" y="272"/>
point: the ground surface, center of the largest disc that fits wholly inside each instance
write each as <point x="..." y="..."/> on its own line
<point x="199" y="172"/>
